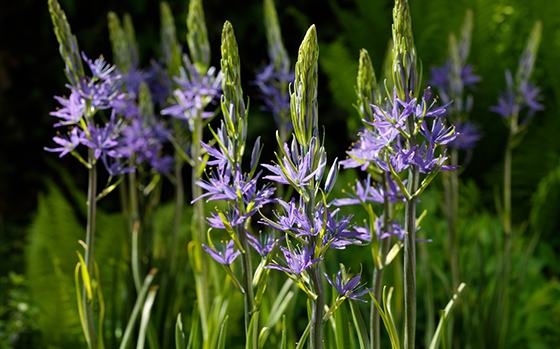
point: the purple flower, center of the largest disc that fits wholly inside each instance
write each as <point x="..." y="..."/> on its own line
<point x="294" y="170"/>
<point x="103" y="139"/>
<point x="337" y="235"/>
<point x="115" y="166"/>
<point x="515" y="99"/>
<point x="222" y="153"/>
<point x="226" y="256"/>
<point x="438" y="134"/>
<point x="72" y="111"/>
<point x="264" y="244"/>
<point x="467" y="135"/>
<point x="144" y="143"/>
<point x="207" y="86"/>
<point x="100" y="69"/>
<point x="270" y="85"/>
<point x="426" y="162"/>
<point x="365" y="151"/>
<point x="68" y="142"/>
<point x="231" y="217"/>
<point x="196" y="92"/>
<point x="297" y="261"/>
<point x="286" y="221"/>
<point x="347" y="287"/>
<point x="390" y="124"/>
<point x="427" y="106"/>
<point x="222" y="185"/>
<point x="397" y="230"/>
<point x="400" y="160"/>
<point x="362" y="194"/>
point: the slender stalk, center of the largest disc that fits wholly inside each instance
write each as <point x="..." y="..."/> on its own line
<point x="451" y="188"/>
<point x="503" y="303"/>
<point x="507" y="184"/>
<point x="198" y="229"/>
<point x="247" y="270"/>
<point x="90" y="242"/>
<point x="179" y="204"/>
<point x="317" y="309"/>
<point x="410" y="250"/>
<point x="377" y="280"/>
<point x="135" y="225"/>
<point x="318" y="305"/>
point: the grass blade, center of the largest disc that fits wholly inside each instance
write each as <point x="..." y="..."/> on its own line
<point x="445" y="314"/>
<point x="146" y="316"/>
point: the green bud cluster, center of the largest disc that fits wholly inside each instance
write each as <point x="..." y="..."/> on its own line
<point x="197" y="37"/>
<point x="233" y="106"/>
<point x="68" y="44"/>
<point x="529" y="56"/>
<point x="123" y="41"/>
<point x="276" y="50"/>
<point x="406" y="77"/>
<point x="170" y="45"/>
<point x="303" y="100"/>
<point x="367" y="89"/>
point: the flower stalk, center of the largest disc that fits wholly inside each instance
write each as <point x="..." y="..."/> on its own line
<point x="407" y="83"/>
<point x="90" y="243"/>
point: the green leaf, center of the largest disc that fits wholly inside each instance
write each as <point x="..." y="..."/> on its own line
<point x="146" y="317"/>
<point x="359" y="324"/>
<point x="179" y="333"/>
<point x="444" y="316"/>
<point x="222" y="336"/>
<point x="194" y="338"/>
<point x="138" y="305"/>
<point x="252" y="334"/>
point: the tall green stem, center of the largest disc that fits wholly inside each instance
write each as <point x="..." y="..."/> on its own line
<point x="90" y="242"/>
<point x="198" y="229"/>
<point x="410" y="248"/>
<point x="503" y="303"/>
<point x="179" y="204"/>
<point x="318" y="305"/>
<point x="451" y="187"/>
<point x="247" y="270"/>
<point x="377" y="280"/>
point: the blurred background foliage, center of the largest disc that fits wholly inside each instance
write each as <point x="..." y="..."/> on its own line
<point x="40" y="208"/>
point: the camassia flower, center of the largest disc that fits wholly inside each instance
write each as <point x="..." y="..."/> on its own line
<point x="276" y="101"/>
<point x="467" y="135"/>
<point x="223" y="185"/>
<point x="348" y="287"/>
<point x="67" y="142"/>
<point x="362" y="193"/>
<point x="296" y="261"/>
<point x="72" y="111"/>
<point x="295" y="170"/>
<point x="226" y="256"/>
<point x="264" y="244"/>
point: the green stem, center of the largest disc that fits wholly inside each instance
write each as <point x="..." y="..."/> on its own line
<point x="247" y="270"/>
<point x="508" y="238"/>
<point x="318" y="305"/>
<point x="90" y="242"/>
<point x="507" y="184"/>
<point x="410" y="249"/>
<point x="179" y="203"/>
<point x="135" y="224"/>
<point x="377" y="280"/>
<point x="198" y="229"/>
<point x="451" y="188"/>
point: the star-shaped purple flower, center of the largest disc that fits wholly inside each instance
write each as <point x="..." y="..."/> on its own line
<point x="348" y="287"/>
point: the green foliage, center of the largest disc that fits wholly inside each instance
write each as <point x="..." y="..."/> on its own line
<point x="51" y="259"/>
